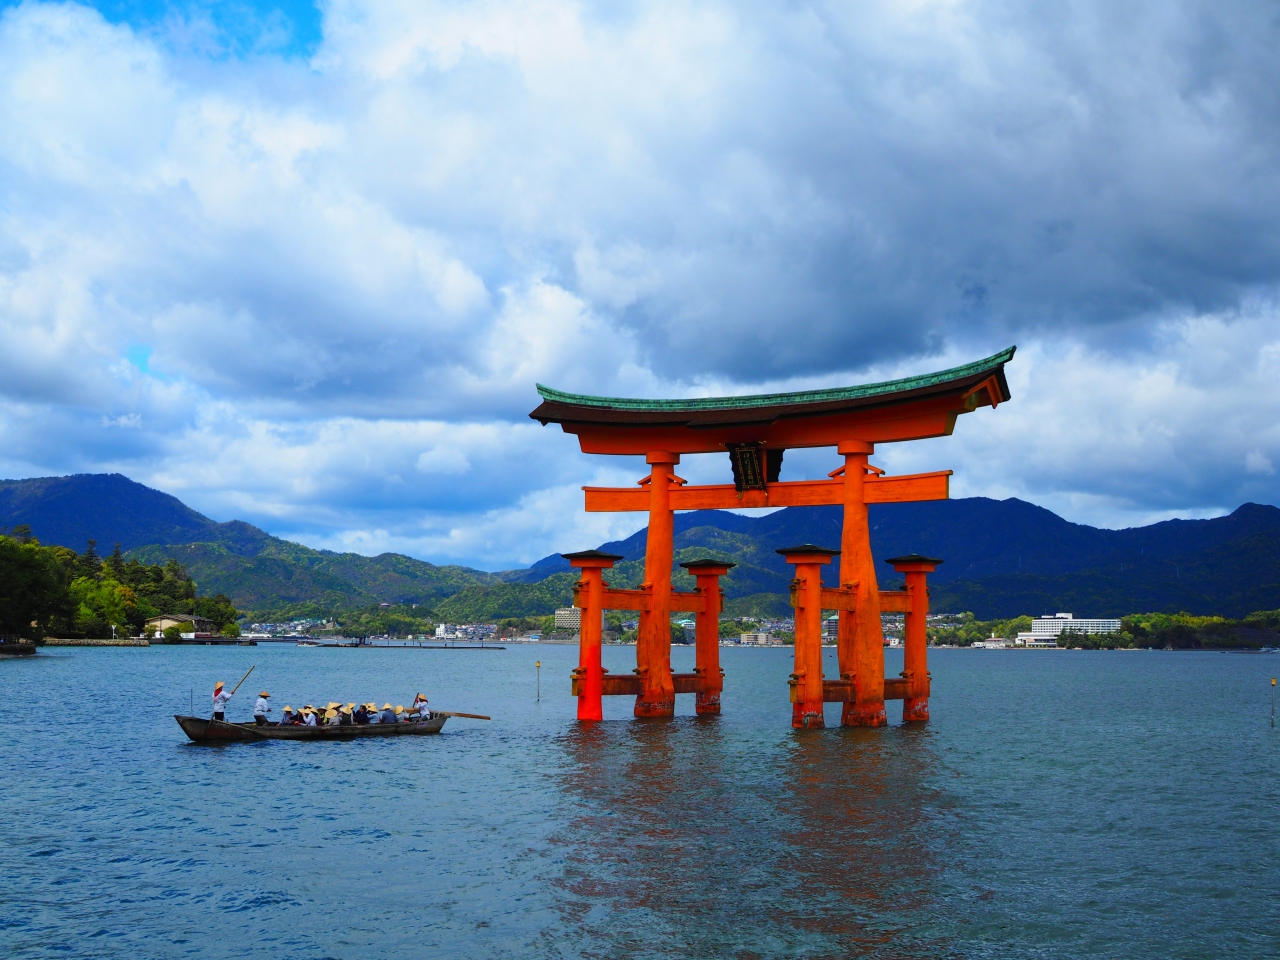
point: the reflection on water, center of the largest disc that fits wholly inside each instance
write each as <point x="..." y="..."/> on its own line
<point x="1090" y="805"/>
<point x="693" y="840"/>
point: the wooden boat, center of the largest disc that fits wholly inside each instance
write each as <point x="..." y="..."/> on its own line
<point x="203" y="730"/>
<point x="10" y="648"/>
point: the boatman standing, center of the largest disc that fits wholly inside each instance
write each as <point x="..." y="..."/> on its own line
<point x="261" y="708"/>
<point x="220" y="698"/>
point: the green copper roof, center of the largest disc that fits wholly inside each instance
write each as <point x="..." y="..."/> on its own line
<point x="775" y="399"/>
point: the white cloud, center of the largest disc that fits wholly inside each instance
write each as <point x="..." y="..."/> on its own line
<point x="443" y="460"/>
<point x="343" y="276"/>
<point x="1258" y="463"/>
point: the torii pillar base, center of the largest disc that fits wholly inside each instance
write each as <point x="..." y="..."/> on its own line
<point x="588" y="596"/>
<point x="807" y="691"/>
<point x="915" y="703"/>
<point x="707" y="574"/>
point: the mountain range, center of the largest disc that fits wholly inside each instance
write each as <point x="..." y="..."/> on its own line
<point x="1001" y="557"/>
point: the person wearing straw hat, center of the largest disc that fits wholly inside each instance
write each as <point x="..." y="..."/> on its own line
<point x="261" y="708"/>
<point x="309" y="716"/>
<point x="220" y="698"/>
<point x="388" y="715"/>
<point x="344" y="717"/>
<point x="420" y="707"/>
<point x="401" y="715"/>
<point x="371" y="712"/>
<point x="331" y="717"/>
<point x="286" y="716"/>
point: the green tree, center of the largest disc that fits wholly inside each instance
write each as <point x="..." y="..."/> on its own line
<point x="103" y="604"/>
<point x="33" y="588"/>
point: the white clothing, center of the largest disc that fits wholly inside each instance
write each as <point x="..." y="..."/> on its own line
<point x="220" y="701"/>
<point x="311" y="720"/>
<point x="261" y="708"/>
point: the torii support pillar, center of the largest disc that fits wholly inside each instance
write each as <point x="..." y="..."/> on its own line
<point x="588" y="597"/>
<point x="807" y="697"/>
<point x="915" y="702"/>
<point x="860" y="640"/>
<point x="657" y="697"/>
<point x="707" y="574"/>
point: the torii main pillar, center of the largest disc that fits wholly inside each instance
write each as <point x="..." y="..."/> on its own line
<point x="860" y="641"/>
<point x="657" y="697"/>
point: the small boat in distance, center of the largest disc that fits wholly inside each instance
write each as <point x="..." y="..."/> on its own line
<point x="202" y="730"/>
<point x="16" y="648"/>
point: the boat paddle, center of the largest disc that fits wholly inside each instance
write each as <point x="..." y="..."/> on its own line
<point x="469" y="716"/>
<point x="243" y="679"/>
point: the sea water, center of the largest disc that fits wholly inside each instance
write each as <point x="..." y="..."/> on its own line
<point x="1058" y="804"/>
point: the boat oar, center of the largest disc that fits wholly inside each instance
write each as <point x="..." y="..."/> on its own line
<point x="243" y="679"/>
<point x="468" y="716"/>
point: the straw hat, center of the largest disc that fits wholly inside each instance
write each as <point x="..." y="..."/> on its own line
<point x="399" y="710"/>
<point x="264" y="694"/>
<point x="346" y="710"/>
<point x="219" y="685"/>
<point x="351" y="706"/>
<point x="386" y="706"/>
<point x="288" y="709"/>
<point x="330" y="713"/>
<point x="333" y="706"/>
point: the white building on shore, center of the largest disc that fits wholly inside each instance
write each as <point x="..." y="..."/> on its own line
<point x="1049" y="628"/>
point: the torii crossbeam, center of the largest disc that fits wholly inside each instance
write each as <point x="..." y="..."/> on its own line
<point x="756" y="430"/>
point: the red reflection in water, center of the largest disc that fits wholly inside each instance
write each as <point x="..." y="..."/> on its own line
<point x="686" y="838"/>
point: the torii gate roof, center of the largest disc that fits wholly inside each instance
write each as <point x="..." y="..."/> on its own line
<point x="906" y="409"/>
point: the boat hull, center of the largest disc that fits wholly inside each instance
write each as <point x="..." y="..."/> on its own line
<point x="202" y="730"/>
<point x="11" y="649"/>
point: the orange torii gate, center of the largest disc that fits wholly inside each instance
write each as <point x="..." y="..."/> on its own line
<point x="756" y="430"/>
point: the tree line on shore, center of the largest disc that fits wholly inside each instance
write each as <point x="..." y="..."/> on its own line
<point x="55" y="591"/>
<point x="1155" y="631"/>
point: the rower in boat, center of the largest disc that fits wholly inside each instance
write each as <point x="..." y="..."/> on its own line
<point x="420" y="709"/>
<point x="220" y="698"/>
<point x="261" y="708"/>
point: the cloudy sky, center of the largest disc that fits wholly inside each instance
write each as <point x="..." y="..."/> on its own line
<point x="303" y="265"/>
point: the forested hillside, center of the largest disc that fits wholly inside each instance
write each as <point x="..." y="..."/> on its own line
<point x="1002" y="558"/>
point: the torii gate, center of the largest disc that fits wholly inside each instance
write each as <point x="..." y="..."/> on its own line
<point x="755" y="430"/>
